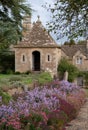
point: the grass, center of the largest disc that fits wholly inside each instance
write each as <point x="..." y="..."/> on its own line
<point x="10" y="79"/>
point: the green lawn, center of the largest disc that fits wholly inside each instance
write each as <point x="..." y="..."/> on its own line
<point x="11" y="79"/>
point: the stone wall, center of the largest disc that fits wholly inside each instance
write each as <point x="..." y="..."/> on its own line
<point x="84" y="65"/>
<point x="45" y="65"/>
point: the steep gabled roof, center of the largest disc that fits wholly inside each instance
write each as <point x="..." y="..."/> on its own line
<point x="70" y="50"/>
<point x="38" y="37"/>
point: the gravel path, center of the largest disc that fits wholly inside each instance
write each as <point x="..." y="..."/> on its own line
<point x="81" y="122"/>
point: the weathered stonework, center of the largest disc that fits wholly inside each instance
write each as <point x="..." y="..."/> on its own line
<point x="38" y="51"/>
<point x="45" y="65"/>
<point x="72" y="52"/>
<point x="37" y="48"/>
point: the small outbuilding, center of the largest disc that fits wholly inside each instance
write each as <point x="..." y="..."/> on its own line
<point x="37" y="51"/>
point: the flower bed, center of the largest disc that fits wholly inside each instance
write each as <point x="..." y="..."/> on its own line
<point x="43" y="108"/>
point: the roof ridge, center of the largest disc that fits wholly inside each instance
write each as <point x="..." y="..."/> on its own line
<point x="39" y="36"/>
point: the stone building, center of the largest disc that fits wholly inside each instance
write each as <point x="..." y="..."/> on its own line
<point x="77" y="55"/>
<point x="37" y="51"/>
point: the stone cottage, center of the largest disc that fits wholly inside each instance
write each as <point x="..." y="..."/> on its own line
<point x="77" y="55"/>
<point x="37" y="51"/>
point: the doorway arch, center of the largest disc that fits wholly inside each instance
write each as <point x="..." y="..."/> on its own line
<point x="36" y="60"/>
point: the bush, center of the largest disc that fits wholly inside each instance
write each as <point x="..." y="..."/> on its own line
<point x="33" y="121"/>
<point x="57" y="119"/>
<point x="15" y="78"/>
<point x="28" y="72"/>
<point x="77" y="99"/>
<point x="17" y="72"/>
<point x="68" y="109"/>
<point x="5" y="97"/>
<point x="7" y="60"/>
<point x="44" y="77"/>
<point x="9" y="71"/>
<point x="64" y="66"/>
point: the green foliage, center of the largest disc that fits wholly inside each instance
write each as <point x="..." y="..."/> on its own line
<point x="8" y="34"/>
<point x="5" y="97"/>
<point x="11" y="80"/>
<point x="9" y="71"/>
<point x="44" y="77"/>
<point x="17" y="73"/>
<point x="57" y="119"/>
<point x="32" y="121"/>
<point x="64" y="65"/>
<point x="28" y="80"/>
<point x="69" y="18"/>
<point x="28" y="72"/>
<point x="11" y="15"/>
<point x="71" y="42"/>
<point x="7" y="61"/>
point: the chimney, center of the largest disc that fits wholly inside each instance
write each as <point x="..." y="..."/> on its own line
<point x="26" y="23"/>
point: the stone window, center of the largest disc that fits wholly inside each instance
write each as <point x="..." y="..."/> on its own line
<point x="23" y="58"/>
<point x="48" y="57"/>
<point x="79" y="60"/>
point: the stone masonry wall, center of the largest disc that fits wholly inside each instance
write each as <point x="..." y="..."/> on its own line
<point x="50" y="66"/>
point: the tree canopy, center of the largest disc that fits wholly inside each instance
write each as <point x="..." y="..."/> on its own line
<point x="11" y="14"/>
<point x="69" y="18"/>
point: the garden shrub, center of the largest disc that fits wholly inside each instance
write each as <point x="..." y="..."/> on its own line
<point x="64" y="66"/>
<point x="33" y="121"/>
<point x="5" y="97"/>
<point x="9" y="71"/>
<point x="7" y="61"/>
<point x="57" y="119"/>
<point x="28" y="72"/>
<point x="42" y="108"/>
<point x="77" y="99"/>
<point x="28" y="80"/>
<point x="15" y="78"/>
<point x="44" y="77"/>
<point x="17" y="72"/>
<point x="68" y="109"/>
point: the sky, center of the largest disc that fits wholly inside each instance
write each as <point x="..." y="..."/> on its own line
<point x="39" y="10"/>
<point x="44" y="15"/>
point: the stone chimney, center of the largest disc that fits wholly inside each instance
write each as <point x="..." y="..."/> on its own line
<point x="26" y="23"/>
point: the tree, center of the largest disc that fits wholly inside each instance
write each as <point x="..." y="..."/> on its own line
<point x="7" y="61"/>
<point x="69" y="18"/>
<point x="71" y="42"/>
<point x="64" y="66"/>
<point x="8" y="34"/>
<point x="11" y="14"/>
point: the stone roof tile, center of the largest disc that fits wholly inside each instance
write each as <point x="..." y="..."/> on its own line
<point x="70" y="50"/>
<point x="38" y="37"/>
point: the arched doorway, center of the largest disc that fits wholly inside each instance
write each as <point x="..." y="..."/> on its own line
<point x="36" y="60"/>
